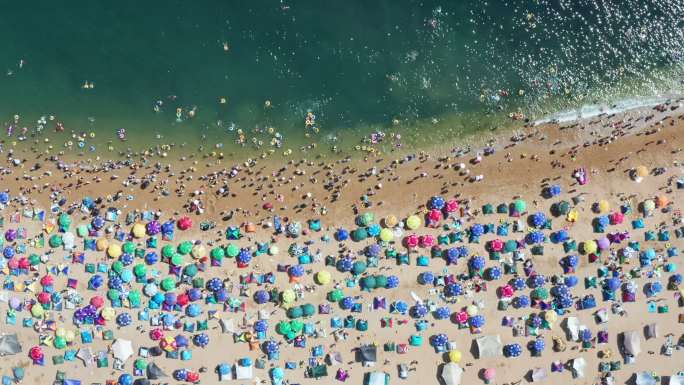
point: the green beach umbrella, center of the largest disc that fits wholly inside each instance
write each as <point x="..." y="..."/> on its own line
<point x="55" y="241"/>
<point x="113" y="294"/>
<point x="296" y="325"/>
<point x="217" y="253"/>
<point x="60" y="342"/>
<point x="140" y="270"/>
<point x="232" y="251"/>
<point x="190" y="270"/>
<point x="128" y="247"/>
<point x="381" y="281"/>
<point x="366" y="219"/>
<point x="359" y="267"/>
<point x="168" y="284"/>
<point x="140" y="364"/>
<point x="359" y="234"/>
<point x="540" y="293"/>
<point x="82" y="231"/>
<point x="64" y="221"/>
<point x="168" y="251"/>
<point x="177" y="260"/>
<point x="369" y="282"/>
<point x="308" y="310"/>
<point x="134" y="297"/>
<point x="283" y="327"/>
<point x="295" y="312"/>
<point x="520" y="206"/>
<point x="510" y="246"/>
<point x="117" y="266"/>
<point x="34" y="259"/>
<point x="335" y="295"/>
<point x="185" y="248"/>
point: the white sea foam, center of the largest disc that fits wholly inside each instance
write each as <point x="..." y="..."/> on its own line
<point x="593" y="110"/>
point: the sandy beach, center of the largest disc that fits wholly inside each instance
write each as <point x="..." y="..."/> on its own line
<point x="217" y="195"/>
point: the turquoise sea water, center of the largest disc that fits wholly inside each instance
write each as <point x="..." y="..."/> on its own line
<point x="425" y="68"/>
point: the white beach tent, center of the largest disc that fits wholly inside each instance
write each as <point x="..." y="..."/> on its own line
<point x="377" y="378"/>
<point x="452" y="373"/>
<point x="489" y="346"/>
<point x="244" y="372"/>
<point x="227" y="325"/>
<point x="677" y="379"/>
<point x="578" y="366"/>
<point x="572" y="326"/>
<point x="122" y="349"/>
<point x="632" y="343"/>
<point x="645" y="378"/>
<point x="538" y="374"/>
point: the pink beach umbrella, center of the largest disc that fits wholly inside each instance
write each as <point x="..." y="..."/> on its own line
<point x="411" y="241"/>
<point x="489" y="375"/>
<point x="427" y="240"/>
<point x="507" y="291"/>
<point x="496" y="245"/>
<point x="616" y="218"/>
<point x="451" y="206"/>
<point x="434" y="216"/>
<point x="184" y="223"/>
<point x="462" y="317"/>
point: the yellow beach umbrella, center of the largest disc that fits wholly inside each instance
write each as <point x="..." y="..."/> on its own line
<point x="138" y="230"/>
<point x="108" y="313"/>
<point x="288" y="296"/>
<point x="590" y="246"/>
<point x="455" y="356"/>
<point x="114" y="250"/>
<point x="198" y="251"/>
<point x="603" y="206"/>
<point x="572" y="216"/>
<point x="323" y="277"/>
<point x="390" y="221"/>
<point x="37" y="311"/>
<point x="386" y="235"/>
<point x="101" y="244"/>
<point x="413" y="222"/>
<point x="472" y="310"/>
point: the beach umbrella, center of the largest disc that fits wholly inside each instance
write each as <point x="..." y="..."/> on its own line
<point x="496" y="245"/>
<point x="560" y="236"/>
<point x="477" y="263"/>
<point x="138" y="230"/>
<point x="201" y="339"/>
<point x="323" y="277"/>
<point x="455" y="356"/>
<point x="586" y="335"/>
<point x="535" y="237"/>
<point x="283" y="328"/>
<point x="522" y="301"/>
<point x="639" y="173"/>
<point x="342" y="235"/>
<point x="184" y="223"/>
<point x="603" y="206"/>
<point x="400" y="307"/>
<point x="413" y="222"/>
<point x="260" y="326"/>
<point x="392" y="282"/>
<point x="288" y="296"/>
<point x="538" y="345"/>
<point x="442" y="312"/>
<point x="453" y="289"/>
<point x="649" y="205"/>
<point x="11" y="235"/>
<point x="97" y="223"/>
<point x="368" y="282"/>
<point x="554" y="190"/>
<point x="537" y="280"/>
<point x="296" y="271"/>
<point x="476" y="230"/>
<point x="451" y="206"/>
<point x="168" y="284"/>
<point x="439" y="340"/>
<point x="270" y="347"/>
<point x="540" y="293"/>
<point x="590" y="247"/>
<point x="214" y="284"/>
<point x="676" y="279"/>
<point x="477" y="321"/>
<point x="426" y="240"/>
<point x="564" y="302"/>
<point x="570" y="281"/>
<point x="494" y="273"/>
<point x="512" y="350"/>
<point x="193" y="310"/>
<point x="124" y="319"/>
<point x="519" y="206"/>
<point x="153" y="227"/>
<point x="308" y="310"/>
<point x="386" y="235"/>
<point x="359" y="267"/>
<point x="419" y="310"/>
<point x="616" y="218"/>
<point x="571" y="261"/>
<point x="436" y="202"/>
<point x="653" y="288"/>
<point x="451" y="255"/>
<point x="411" y="241"/>
<point x="612" y="284"/>
<point x="434" y="216"/>
<point x="510" y="246"/>
<point x="294" y="229"/>
<point x="335" y="295"/>
<point x="426" y="278"/>
<point x="347" y="303"/>
<point x="244" y="257"/>
<point x="295" y="312"/>
<point x="489" y="375"/>
<point x="125" y="379"/>
<point x="538" y="219"/>
<point x="506" y="291"/>
<point x="603" y="243"/>
<point x="54" y="241"/>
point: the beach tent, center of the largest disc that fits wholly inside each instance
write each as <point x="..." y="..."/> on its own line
<point x="632" y="344"/>
<point x="452" y="373"/>
<point x="578" y="366"/>
<point x="677" y="379"/>
<point x="652" y="331"/>
<point x="489" y="346"/>
<point x="368" y="355"/>
<point x="9" y="344"/>
<point x="646" y="378"/>
<point x="572" y="328"/>
<point x="244" y="372"/>
<point x="122" y="349"/>
<point x="538" y="374"/>
<point x="154" y="372"/>
<point x="377" y="378"/>
<point x="227" y="325"/>
<point x="85" y="355"/>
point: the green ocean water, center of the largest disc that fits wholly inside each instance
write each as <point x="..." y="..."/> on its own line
<point x="429" y="70"/>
